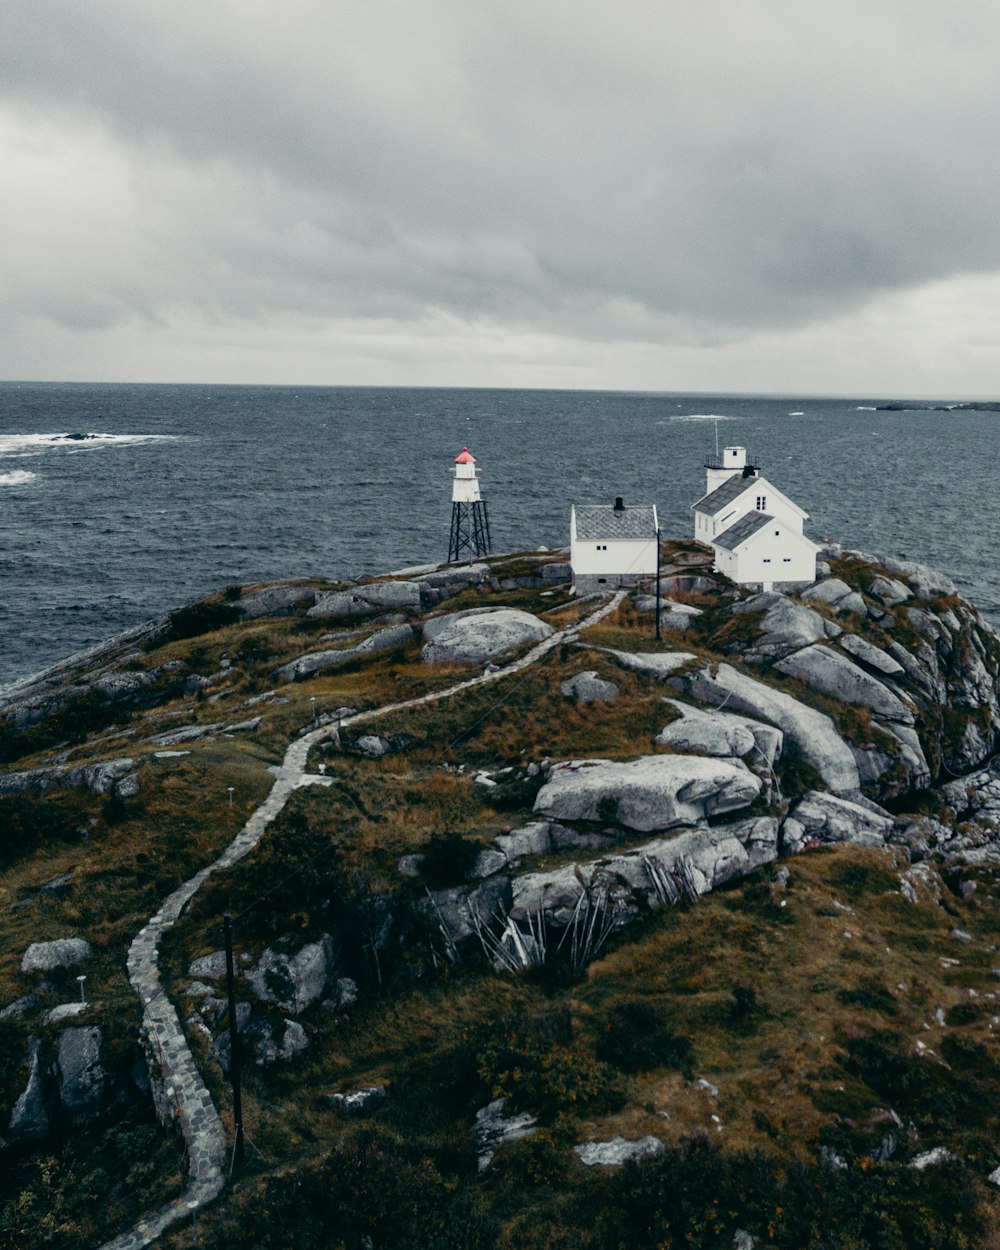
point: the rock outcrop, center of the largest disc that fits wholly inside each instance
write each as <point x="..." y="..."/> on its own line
<point x="318" y="661"/>
<point x="656" y="792"/>
<point x="480" y="634"/>
<point x="809" y="734"/>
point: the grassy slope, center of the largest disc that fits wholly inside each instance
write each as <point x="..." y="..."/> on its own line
<point x="807" y="1032"/>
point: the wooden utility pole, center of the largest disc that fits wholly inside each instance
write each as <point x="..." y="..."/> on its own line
<point x="234" y="1042"/>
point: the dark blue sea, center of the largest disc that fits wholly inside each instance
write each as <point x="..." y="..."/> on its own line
<point x="189" y="488"/>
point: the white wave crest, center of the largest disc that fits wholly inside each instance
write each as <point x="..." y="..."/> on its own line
<point x="796" y="414"/>
<point x="701" y="416"/>
<point x="20" y="477"/>
<point x="35" y="444"/>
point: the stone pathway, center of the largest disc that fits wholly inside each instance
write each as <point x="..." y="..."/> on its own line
<point x="188" y="1098"/>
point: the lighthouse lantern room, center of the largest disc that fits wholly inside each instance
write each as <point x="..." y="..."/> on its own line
<point x="470" y="522"/>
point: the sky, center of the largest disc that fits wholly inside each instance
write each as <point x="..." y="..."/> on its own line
<point x="774" y="196"/>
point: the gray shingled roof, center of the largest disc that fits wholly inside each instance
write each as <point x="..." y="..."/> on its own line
<point x="730" y="489"/>
<point x="745" y="528"/>
<point x="601" y="521"/>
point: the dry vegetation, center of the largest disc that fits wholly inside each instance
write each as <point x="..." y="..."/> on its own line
<point x="804" y="1005"/>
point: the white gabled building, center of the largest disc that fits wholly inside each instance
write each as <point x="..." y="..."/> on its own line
<point x="754" y="529"/>
<point x="612" y="545"/>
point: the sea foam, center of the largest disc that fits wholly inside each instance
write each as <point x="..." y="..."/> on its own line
<point x="20" y="477"/>
<point x="35" y="444"/>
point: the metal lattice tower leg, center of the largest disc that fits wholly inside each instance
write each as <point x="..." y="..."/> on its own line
<point x="470" y="531"/>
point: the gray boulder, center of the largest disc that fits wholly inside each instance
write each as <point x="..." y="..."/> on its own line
<point x="785" y="625"/>
<point x="888" y="590"/>
<point x="692" y="862"/>
<point x="478" y="635"/>
<point x="865" y="651"/>
<point x="837" y="594"/>
<point x="658" y="664"/>
<point x="28" y="1118"/>
<point x="494" y="1128"/>
<point x="697" y="860"/>
<point x="361" y="1101"/>
<point x="61" y="953"/>
<point x="722" y="734"/>
<point x="293" y="982"/>
<point x="531" y="839"/>
<point x="679" y="616"/>
<point x="616" y="1151"/>
<point x="294" y="1041"/>
<point x="589" y="688"/>
<point x="121" y="685"/>
<point x="839" y="678"/>
<point x="209" y="967"/>
<point x="925" y="582"/>
<point x="79" y="1073"/>
<point x="807" y="733"/>
<point x="317" y="661"/>
<point x="367" y="600"/>
<point x="655" y="792"/>
<point x="819" y="817"/>
<point x="282" y="600"/>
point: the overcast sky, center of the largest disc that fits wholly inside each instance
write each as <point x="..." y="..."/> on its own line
<point x="765" y="195"/>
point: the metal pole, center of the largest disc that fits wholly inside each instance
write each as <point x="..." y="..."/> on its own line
<point x="234" y="1041"/>
<point x="657" y="583"/>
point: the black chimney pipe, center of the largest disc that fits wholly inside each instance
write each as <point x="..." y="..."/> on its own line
<point x="619" y="504"/>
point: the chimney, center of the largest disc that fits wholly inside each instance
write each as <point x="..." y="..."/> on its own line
<point x="619" y="504"/>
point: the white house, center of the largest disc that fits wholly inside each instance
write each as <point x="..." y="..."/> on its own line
<point x="754" y="529"/>
<point x="612" y="546"/>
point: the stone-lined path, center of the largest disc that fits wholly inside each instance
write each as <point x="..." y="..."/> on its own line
<point x="183" y="1090"/>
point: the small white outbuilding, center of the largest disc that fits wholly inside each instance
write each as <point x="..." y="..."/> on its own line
<point x="612" y="545"/>
<point x="754" y="530"/>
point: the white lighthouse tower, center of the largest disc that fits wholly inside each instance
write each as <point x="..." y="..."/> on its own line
<point x="470" y="522"/>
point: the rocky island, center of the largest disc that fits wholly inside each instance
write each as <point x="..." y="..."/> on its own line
<point x="547" y="933"/>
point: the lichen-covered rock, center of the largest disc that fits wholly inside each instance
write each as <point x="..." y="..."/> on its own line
<point x="209" y="967"/>
<point x="691" y="863"/>
<point x="368" y="599"/>
<point x="655" y="792"/>
<point x="837" y="595"/>
<point x="589" y="688"/>
<point x="79" y="1072"/>
<point x="723" y="734"/>
<point x="29" y="1119"/>
<point x="819" y="817"/>
<point x="360" y="1101"/>
<point x="839" y="678"/>
<point x="874" y="657"/>
<point x="280" y="600"/>
<point x="784" y="626"/>
<point x="60" y="953"/>
<point x="658" y="664"/>
<point x="616" y="1151"/>
<point x="808" y="733"/>
<point x="494" y="1127"/>
<point x="293" y="982"/>
<point x="479" y="635"/>
<point x="318" y="661"/>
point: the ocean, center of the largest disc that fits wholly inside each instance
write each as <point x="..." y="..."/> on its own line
<point x="184" y="489"/>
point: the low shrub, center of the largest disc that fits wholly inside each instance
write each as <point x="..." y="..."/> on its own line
<point x="637" y="1036"/>
<point x="201" y="618"/>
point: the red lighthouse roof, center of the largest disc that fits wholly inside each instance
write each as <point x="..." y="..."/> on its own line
<point x="466" y="457"/>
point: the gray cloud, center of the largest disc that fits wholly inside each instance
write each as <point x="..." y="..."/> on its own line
<point x="684" y="174"/>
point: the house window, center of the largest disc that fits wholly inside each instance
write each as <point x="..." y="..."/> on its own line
<point x="761" y="503"/>
<point x="777" y="533"/>
<point x="602" y="548"/>
<point x="786" y="559"/>
<point x="767" y="559"/>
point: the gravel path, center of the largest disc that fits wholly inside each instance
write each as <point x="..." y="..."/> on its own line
<point x="203" y="1130"/>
